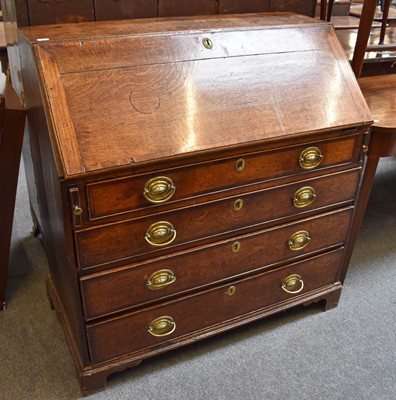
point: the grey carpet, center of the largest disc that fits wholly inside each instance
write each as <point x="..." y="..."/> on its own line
<point x="347" y="353"/>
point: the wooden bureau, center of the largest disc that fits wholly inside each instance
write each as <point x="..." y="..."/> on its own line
<point x="188" y="175"/>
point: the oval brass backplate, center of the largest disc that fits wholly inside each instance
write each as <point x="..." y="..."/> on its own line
<point x="160" y="234"/>
<point x="207" y="43"/>
<point x="238" y="205"/>
<point x="160" y="279"/>
<point x="159" y="189"/>
<point x="310" y="158"/>
<point x="162" y="326"/>
<point x="299" y="240"/>
<point x="304" y="197"/>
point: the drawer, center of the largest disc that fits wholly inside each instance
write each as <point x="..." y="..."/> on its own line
<point x="170" y="186"/>
<point x="162" y="233"/>
<point x="112" y="291"/>
<point x="168" y="323"/>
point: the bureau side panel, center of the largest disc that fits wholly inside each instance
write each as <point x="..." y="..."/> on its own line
<point x="54" y="223"/>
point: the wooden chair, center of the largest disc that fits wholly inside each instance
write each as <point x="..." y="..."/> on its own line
<point x="380" y="94"/>
<point x="12" y="121"/>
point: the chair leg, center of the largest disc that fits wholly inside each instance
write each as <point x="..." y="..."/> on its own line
<point x="330" y="10"/>
<point x="385" y="14"/>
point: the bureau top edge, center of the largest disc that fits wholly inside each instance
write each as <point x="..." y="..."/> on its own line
<point x="168" y="25"/>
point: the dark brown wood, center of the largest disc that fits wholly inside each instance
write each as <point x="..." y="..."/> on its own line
<point x="329" y="10"/>
<point x="385" y="14"/>
<point x="128" y="334"/>
<point x="171" y="8"/>
<point x="44" y="12"/>
<point x="12" y="121"/>
<point x="243" y="6"/>
<point x="306" y="7"/>
<point x="244" y="128"/>
<point x="121" y="9"/>
<point x="197" y="180"/>
<point x="123" y="288"/>
<point x="123" y="241"/>
<point x="369" y="8"/>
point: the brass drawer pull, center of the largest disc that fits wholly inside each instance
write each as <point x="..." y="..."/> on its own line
<point x="160" y="279"/>
<point x="310" y="158"/>
<point x="293" y="284"/>
<point x="162" y="326"/>
<point x="160" y="234"/>
<point x="159" y="189"/>
<point x="298" y="240"/>
<point x="304" y="197"/>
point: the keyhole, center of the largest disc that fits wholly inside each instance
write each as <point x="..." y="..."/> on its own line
<point x="207" y="43"/>
<point x="236" y="247"/>
<point x="238" y="205"/>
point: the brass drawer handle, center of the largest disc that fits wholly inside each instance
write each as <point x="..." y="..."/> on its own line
<point x="310" y="158"/>
<point x="162" y="326"/>
<point x="298" y="240"/>
<point x="160" y="279"/>
<point x="304" y="197"/>
<point x="160" y="234"/>
<point x="159" y="189"/>
<point x="291" y="283"/>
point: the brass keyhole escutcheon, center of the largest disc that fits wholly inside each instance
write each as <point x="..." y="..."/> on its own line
<point x="231" y="291"/>
<point x="304" y="197"/>
<point x="310" y="158"/>
<point x="240" y="165"/>
<point x="238" y="205"/>
<point x="293" y="284"/>
<point x="207" y="43"/>
<point x="236" y="247"/>
<point x="299" y="240"/>
<point x="77" y="210"/>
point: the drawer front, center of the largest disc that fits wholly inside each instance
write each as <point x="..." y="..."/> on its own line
<point x="167" y="323"/>
<point x="127" y="194"/>
<point x="161" y="233"/>
<point x="108" y="292"/>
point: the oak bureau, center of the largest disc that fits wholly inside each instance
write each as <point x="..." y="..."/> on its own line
<point x="188" y="175"/>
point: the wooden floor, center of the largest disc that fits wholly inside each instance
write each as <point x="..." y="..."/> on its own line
<point x="348" y="40"/>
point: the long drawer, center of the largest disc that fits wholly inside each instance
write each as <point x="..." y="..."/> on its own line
<point x="169" y="186"/>
<point x="166" y="323"/>
<point x="161" y="233"/>
<point x="111" y="291"/>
